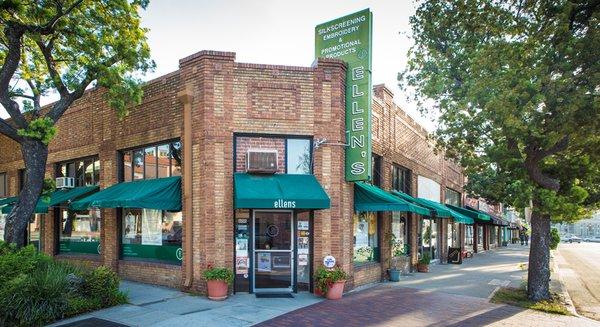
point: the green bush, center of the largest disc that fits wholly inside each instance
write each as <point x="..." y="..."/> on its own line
<point x="554" y="238"/>
<point x="223" y="274"/>
<point x="425" y="258"/>
<point x="35" y="290"/>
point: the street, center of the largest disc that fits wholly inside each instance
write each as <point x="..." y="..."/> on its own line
<point x="579" y="264"/>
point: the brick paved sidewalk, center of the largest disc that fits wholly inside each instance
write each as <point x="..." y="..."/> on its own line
<point x="399" y="306"/>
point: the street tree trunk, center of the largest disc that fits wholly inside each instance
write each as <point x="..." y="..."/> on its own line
<point x="35" y="155"/>
<point x="538" y="276"/>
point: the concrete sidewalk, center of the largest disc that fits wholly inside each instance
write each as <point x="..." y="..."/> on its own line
<point x="479" y="276"/>
<point x="158" y="306"/>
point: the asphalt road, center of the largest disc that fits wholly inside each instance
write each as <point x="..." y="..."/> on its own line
<point x="579" y="265"/>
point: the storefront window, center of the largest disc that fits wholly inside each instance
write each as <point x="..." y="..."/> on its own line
<point x="80" y="232"/>
<point x="453" y="232"/>
<point x="34" y="231"/>
<point x="469" y="235"/>
<point x="298" y="156"/>
<point x="479" y="235"/>
<point x="303" y="248"/>
<point x="401" y="179"/>
<point x="152" y="235"/>
<point x="151" y="162"/>
<point x="366" y="246"/>
<point x="3" y="185"/>
<point x="452" y="197"/>
<point x="399" y="240"/>
<point x="376" y="163"/>
<point x="493" y="235"/>
<point x="429" y="237"/>
<point x="85" y="172"/>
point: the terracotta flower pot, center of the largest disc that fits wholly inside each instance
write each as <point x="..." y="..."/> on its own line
<point x="336" y="290"/>
<point x="217" y="290"/>
<point x="422" y="268"/>
<point x="318" y="292"/>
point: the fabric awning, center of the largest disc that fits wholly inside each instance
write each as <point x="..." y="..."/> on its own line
<point x="478" y="216"/>
<point x="279" y="191"/>
<point x="494" y="220"/>
<point x="159" y="194"/>
<point x="439" y="209"/>
<point x="460" y="218"/>
<point x="9" y="200"/>
<point x="58" y="197"/>
<point x="368" y="197"/>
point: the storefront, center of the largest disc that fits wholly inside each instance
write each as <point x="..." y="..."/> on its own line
<point x="273" y="231"/>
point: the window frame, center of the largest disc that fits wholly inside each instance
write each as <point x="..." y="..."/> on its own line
<point x="449" y="191"/>
<point x="406" y="173"/>
<point x="66" y="163"/>
<point x="142" y="148"/>
<point x="285" y="137"/>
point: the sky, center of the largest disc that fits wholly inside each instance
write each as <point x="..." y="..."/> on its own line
<point x="275" y="32"/>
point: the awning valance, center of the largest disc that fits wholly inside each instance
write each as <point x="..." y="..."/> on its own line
<point x="7" y="201"/>
<point x="437" y="208"/>
<point x="159" y="193"/>
<point x="494" y="220"/>
<point x="368" y="197"/>
<point x="460" y="218"/>
<point x="479" y="217"/>
<point x="279" y="191"/>
<point x="57" y="198"/>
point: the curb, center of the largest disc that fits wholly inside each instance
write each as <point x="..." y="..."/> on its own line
<point x="562" y="289"/>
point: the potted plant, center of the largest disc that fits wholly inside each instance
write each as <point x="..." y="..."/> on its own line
<point x="331" y="282"/>
<point x="423" y="264"/>
<point x="218" y="280"/>
<point x="399" y="262"/>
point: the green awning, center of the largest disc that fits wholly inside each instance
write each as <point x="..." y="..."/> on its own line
<point x="10" y="200"/>
<point x="278" y="191"/>
<point x="58" y="197"/>
<point x="438" y="208"/>
<point x="368" y="197"/>
<point x="494" y="220"/>
<point x="159" y="193"/>
<point x="460" y="218"/>
<point x="477" y="216"/>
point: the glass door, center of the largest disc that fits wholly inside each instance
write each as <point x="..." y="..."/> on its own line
<point x="273" y="251"/>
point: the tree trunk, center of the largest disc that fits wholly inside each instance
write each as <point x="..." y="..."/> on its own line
<point x="538" y="277"/>
<point x="35" y="155"/>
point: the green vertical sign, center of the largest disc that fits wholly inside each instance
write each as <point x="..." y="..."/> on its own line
<point x="349" y="38"/>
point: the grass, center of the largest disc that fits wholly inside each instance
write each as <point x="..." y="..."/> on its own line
<point x="518" y="297"/>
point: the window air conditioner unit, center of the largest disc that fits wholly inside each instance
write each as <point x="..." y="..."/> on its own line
<point x="261" y="161"/>
<point x="65" y="182"/>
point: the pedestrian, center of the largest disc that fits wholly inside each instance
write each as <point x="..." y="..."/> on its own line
<point x="522" y="237"/>
<point x="526" y="240"/>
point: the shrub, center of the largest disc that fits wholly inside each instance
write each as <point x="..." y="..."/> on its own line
<point x="324" y="277"/>
<point x="425" y="258"/>
<point x="223" y="274"/>
<point x="554" y="238"/>
<point x="103" y="283"/>
<point x="36" y="298"/>
<point x="14" y="262"/>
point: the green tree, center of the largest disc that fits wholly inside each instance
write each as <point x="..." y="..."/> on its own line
<point x="516" y="84"/>
<point x="62" y="47"/>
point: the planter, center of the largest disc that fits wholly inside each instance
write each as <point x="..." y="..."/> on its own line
<point x="318" y="292"/>
<point x="422" y="268"/>
<point x="395" y="275"/>
<point x="336" y="290"/>
<point x="217" y="290"/>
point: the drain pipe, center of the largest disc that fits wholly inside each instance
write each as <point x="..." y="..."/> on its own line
<point x="186" y="99"/>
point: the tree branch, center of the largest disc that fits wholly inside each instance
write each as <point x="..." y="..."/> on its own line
<point x="9" y="131"/>
<point x="534" y="157"/>
<point x="9" y="67"/>
<point x="48" y="28"/>
<point x="46" y="50"/>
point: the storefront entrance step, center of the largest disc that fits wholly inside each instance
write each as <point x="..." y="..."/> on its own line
<point x="274" y="295"/>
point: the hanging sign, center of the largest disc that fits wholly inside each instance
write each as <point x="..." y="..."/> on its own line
<point x="349" y="38"/>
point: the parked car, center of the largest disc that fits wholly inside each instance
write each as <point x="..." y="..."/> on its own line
<point x="573" y="239"/>
<point x="592" y="239"/>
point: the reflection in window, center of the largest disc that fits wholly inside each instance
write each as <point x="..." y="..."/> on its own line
<point x="366" y="246"/>
<point x="164" y="163"/>
<point x="452" y="197"/>
<point x="298" y="156"/>
<point x="429" y="237"/>
<point x="150" y="163"/>
<point x="127" y="164"/>
<point x="34" y="231"/>
<point x="175" y="149"/>
<point x="401" y="179"/>
<point x="85" y="172"/>
<point x="157" y="161"/>
<point x="138" y="164"/>
<point x="80" y="231"/>
<point x="469" y="235"/>
<point x="453" y="232"/>
<point x="399" y="240"/>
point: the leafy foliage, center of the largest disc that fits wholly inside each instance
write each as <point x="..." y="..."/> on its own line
<point x="35" y="290"/>
<point x="223" y="274"/>
<point x="554" y="238"/>
<point x="516" y="84"/>
<point x="425" y="258"/>
<point x="41" y="129"/>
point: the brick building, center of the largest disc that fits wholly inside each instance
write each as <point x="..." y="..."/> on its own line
<point x="193" y="133"/>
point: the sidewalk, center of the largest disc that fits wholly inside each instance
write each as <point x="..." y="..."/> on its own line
<point x="479" y="276"/>
<point x="158" y="306"/>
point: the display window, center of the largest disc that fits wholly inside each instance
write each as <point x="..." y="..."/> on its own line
<point x="366" y="246"/>
<point x="469" y="235"/>
<point x="80" y="232"/>
<point x="156" y="161"/>
<point x="399" y="234"/>
<point x="151" y="235"/>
